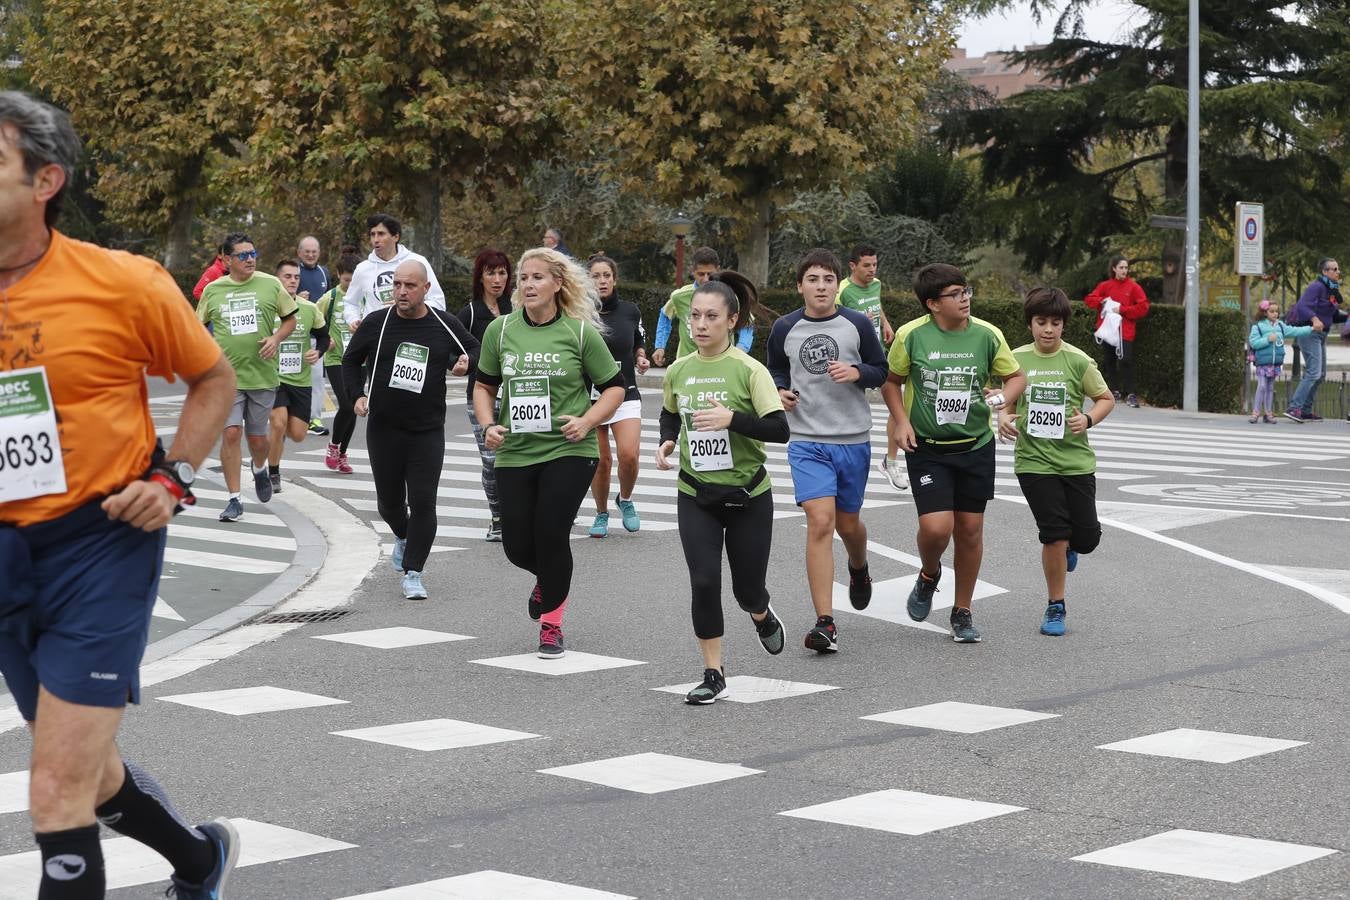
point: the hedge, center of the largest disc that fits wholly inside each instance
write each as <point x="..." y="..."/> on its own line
<point x="1157" y="350"/>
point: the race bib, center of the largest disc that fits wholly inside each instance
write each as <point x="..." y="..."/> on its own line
<point x="290" y="357"/>
<point x="410" y="368"/>
<point x="243" y="316"/>
<point x="30" y="447"/>
<point x="709" y="451"/>
<point x="953" y="397"/>
<point x="531" y="405"/>
<point x="1045" y="412"/>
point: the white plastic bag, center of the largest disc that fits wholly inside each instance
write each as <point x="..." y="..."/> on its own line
<point x="1109" y="331"/>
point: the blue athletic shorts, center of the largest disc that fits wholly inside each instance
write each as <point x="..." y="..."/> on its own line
<point x="830" y="470"/>
<point x="75" y="608"/>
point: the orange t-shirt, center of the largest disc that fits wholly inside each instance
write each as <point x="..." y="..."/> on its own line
<point x="98" y="321"/>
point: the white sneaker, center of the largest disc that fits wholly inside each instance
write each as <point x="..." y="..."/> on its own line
<point x="896" y="473"/>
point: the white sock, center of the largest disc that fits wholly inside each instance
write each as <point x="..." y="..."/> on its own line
<point x="625" y="499"/>
<point x="234" y="495"/>
<point x="258" y="470"/>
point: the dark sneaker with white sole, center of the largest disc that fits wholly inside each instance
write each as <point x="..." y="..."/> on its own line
<point x="920" y="602"/>
<point x="225" y="840"/>
<point x="713" y="686"/>
<point x="824" y="638"/>
<point x="262" y="485"/>
<point x="859" y="587"/>
<point x="771" y="633"/>
<point x="550" y="641"/>
<point x="963" y="628"/>
<point x="535" y="604"/>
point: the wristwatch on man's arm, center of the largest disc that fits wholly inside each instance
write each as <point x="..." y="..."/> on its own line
<point x="177" y="476"/>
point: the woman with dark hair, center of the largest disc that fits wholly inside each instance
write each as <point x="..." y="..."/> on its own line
<point x="721" y="407"/>
<point x="626" y="341"/>
<point x="330" y="304"/>
<point x="1132" y="305"/>
<point x="492" y="284"/>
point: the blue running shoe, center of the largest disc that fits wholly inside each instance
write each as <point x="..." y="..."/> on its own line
<point x="233" y="510"/>
<point x="1052" y="623"/>
<point x="262" y="485"/>
<point x="631" y="522"/>
<point x="396" y="558"/>
<point x="226" y="841"/>
<point x="1072" y="557"/>
<point x="920" y="602"/>
<point x="412" y="586"/>
<point x="600" y="527"/>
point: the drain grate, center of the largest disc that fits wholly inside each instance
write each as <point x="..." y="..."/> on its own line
<point x="317" y="615"/>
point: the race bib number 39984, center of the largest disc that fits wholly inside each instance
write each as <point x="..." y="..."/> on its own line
<point x="30" y="447"/>
<point x="953" y="397"/>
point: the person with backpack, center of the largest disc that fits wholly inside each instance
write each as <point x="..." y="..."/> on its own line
<point x="1266" y="346"/>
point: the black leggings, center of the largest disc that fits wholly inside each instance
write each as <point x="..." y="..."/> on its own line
<point x="747" y="532"/>
<point x="344" y="423"/>
<point x="1124" y="364"/>
<point x="538" y="504"/>
<point x="407" y="470"/>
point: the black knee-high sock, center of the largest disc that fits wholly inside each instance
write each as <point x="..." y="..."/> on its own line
<point x="141" y="810"/>
<point x="72" y="864"/>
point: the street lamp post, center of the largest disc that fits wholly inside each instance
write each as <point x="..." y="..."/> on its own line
<point x="1190" y="379"/>
<point x="680" y="225"/>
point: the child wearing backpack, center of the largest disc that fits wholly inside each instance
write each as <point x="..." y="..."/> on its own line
<point x="1266" y="341"/>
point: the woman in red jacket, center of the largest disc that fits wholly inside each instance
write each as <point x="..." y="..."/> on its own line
<point x="1123" y="289"/>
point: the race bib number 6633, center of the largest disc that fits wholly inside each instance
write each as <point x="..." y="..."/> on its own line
<point x="30" y="447"/>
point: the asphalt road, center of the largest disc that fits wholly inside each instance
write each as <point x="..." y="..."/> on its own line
<point x="1216" y="603"/>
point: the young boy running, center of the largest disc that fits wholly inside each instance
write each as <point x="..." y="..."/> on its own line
<point x="942" y="422"/>
<point x="291" y="406"/>
<point x="861" y="290"/>
<point x="822" y="358"/>
<point x="1054" y="461"/>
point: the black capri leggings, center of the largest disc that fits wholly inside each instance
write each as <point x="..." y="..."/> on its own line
<point x="406" y="466"/>
<point x="344" y="423"/>
<point x="747" y="532"/>
<point x="538" y="504"/>
<point x="1119" y="371"/>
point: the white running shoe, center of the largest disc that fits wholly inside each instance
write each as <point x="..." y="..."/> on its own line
<point x="895" y="473"/>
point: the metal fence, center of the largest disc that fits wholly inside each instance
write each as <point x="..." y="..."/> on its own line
<point x="1332" y="401"/>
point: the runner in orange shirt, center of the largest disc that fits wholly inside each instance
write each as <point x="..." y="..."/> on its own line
<point x="85" y="494"/>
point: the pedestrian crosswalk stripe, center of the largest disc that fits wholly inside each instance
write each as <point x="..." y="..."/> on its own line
<point x="130" y="863"/>
<point x="222" y="536"/>
<point x="201" y="559"/>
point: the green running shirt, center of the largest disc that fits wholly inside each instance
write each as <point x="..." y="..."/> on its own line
<point x="307" y="318"/>
<point x="866" y="300"/>
<point x="677" y="307"/>
<point x="739" y="383"/>
<point x="945" y="373"/>
<point x="1056" y="384"/>
<point x="240" y="315"/>
<point x="339" y="332"/>
<point x="542" y="369"/>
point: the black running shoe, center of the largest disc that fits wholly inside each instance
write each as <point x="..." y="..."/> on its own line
<point x="824" y="638"/>
<point x="714" y="686"/>
<point x="771" y="633"/>
<point x="963" y="629"/>
<point x="536" y="602"/>
<point x="859" y="587"/>
<point x="920" y="602"/>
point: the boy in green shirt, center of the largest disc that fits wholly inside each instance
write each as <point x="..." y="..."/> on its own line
<point x="935" y="392"/>
<point x="1054" y="461"/>
<point x="862" y="291"/>
<point x="294" y="397"/>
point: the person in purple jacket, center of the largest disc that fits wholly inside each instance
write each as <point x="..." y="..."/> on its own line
<point x="1320" y="300"/>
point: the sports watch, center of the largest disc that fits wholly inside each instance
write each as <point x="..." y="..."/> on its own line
<point x="177" y="476"/>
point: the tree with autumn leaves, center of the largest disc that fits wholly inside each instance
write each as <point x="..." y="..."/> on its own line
<point x="732" y="106"/>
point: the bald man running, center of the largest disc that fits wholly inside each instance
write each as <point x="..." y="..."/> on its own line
<point x="410" y="347"/>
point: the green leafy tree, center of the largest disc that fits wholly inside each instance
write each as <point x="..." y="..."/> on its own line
<point x="154" y="101"/>
<point x="1273" y="75"/>
<point x="747" y="103"/>
<point x="402" y="103"/>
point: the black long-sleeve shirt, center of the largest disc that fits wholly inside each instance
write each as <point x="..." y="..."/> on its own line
<point x="477" y="317"/>
<point x="409" y="359"/>
<point x="626" y="335"/>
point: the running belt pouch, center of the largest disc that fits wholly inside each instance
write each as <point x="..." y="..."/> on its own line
<point x="722" y="496"/>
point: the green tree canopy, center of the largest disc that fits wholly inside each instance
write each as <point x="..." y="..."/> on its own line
<point x="746" y="103"/>
<point x="1274" y="73"/>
